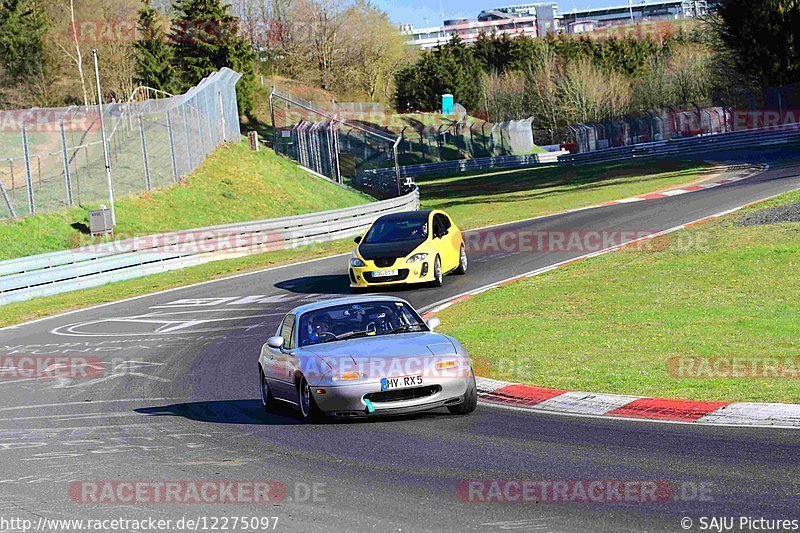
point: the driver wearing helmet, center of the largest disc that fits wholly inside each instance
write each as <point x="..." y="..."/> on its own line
<point x="320" y="327"/>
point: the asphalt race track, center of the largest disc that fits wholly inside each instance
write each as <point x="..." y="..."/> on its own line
<point x="176" y="398"/>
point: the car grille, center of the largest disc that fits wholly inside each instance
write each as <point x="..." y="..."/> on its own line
<point x="402" y="394"/>
<point x="401" y="275"/>
<point x="384" y="262"/>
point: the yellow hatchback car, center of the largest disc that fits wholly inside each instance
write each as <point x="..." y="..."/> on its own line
<point x="409" y="247"/>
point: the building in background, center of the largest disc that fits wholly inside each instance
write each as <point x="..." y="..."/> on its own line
<point x="537" y="20"/>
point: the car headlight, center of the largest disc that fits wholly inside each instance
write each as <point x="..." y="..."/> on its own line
<point x="356" y="261"/>
<point x="416" y="258"/>
<point x="348" y="376"/>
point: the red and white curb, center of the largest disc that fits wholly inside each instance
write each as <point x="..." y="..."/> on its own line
<point x="621" y="406"/>
<point x="739" y="172"/>
<point x="624" y="406"/>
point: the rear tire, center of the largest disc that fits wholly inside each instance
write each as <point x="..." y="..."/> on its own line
<point x="438" y="273"/>
<point x="267" y="399"/>
<point x="462" y="262"/>
<point x="470" y="402"/>
<point x="309" y="411"/>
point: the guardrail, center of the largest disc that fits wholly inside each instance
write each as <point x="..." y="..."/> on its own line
<point x="95" y="265"/>
<point x="384" y="178"/>
<point x="717" y="141"/>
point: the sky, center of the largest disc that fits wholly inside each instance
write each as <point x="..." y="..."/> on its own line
<point x="423" y="13"/>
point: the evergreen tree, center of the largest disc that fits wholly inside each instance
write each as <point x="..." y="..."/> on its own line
<point x="765" y="38"/>
<point x="206" y="38"/>
<point x="153" y="52"/>
<point x="22" y="30"/>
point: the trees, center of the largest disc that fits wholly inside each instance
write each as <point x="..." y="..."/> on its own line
<point x="764" y="38"/>
<point x="205" y="37"/>
<point x="153" y="53"/>
<point x="447" y="69"/>
<point x="22" y="29"/>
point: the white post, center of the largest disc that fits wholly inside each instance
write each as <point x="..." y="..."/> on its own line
<point x="105" y="142"/>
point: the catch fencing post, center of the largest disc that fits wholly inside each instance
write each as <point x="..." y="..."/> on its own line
<point x="172" y="149"/>
<point x="28" y="176"/>
<point x="186" y="135"/>
<point x="144" y="153"/>
<point x="65" y="157"/>
<point x="222" y="117"/>
<point x="8" y="200"/>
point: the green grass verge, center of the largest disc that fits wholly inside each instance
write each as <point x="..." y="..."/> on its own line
<point x="476" y="200"/>
<point x="610" y="324"/>
<point x="18" y="312"/>
<point x="232" y="185"/>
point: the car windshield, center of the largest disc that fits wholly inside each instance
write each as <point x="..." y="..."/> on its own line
<point x="341" y="322"/>
<point x="383" y="231"/>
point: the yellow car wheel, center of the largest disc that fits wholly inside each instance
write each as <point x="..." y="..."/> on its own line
<point x="438" y="273"/>
<point x="462" y="261"/>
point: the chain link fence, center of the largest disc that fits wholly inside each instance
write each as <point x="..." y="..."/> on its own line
<point x="654" y="125"/>
<point x="338" y="148"/>
<point x="349" y="142"/>
<point x="52" y="158"/>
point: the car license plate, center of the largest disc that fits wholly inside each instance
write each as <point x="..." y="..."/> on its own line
<point x="384" y="273"/>
<point x="401" y="382"/>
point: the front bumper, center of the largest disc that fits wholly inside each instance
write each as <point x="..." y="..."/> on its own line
<point x="348" y="401"/>
<point x="408" y="273"/>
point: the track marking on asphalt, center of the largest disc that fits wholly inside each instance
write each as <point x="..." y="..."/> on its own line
<point x="89" y="403"/>
<point x="166" y="323"/>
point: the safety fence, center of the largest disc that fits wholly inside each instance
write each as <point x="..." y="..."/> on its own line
<point x="52" y="158"/>
<point x="328" y="143"/>
<point x="655" y="125"/>
<point x="92" y="266"/>
<point x="350" y="142"/>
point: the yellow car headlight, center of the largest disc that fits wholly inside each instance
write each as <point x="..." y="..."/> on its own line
<point x="356" y="261"/>
<point x="416" y="258"/>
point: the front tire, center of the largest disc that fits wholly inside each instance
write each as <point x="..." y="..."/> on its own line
<point x="470" y="402"/>
<point x="462" y="262"/>
<point x="305" y="399"/>
<point x="267" y="399"/>
<point x="438" y="273"/>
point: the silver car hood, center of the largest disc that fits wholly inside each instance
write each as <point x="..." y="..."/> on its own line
<point x="400" y="345"/>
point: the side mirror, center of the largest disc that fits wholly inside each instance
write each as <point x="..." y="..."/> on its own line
<point x="433" y="323"/>
<point x="357" y="240"/>
<point x="276" y="342"/>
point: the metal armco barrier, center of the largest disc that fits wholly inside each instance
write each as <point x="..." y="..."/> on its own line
<point x="458" y="165"/>
<point x="690" y="145"/>
<point x="92" y="266"/>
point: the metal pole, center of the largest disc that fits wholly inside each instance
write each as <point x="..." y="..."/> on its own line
<point x="67" y="178"/>
<point x="8" y="200"/>
<point x="222" y="117"/>
<point x="172" y="149"/>
<point x="105" y="141"/>
<point x="28" y="177"/>
<point x="272" y="120"/>
<point x="186" y="134"/>
<point x="144" y="153"/>
<point x="397" y="167"/>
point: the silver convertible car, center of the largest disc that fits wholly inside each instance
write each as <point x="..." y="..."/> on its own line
<point x="365" y="356"/>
